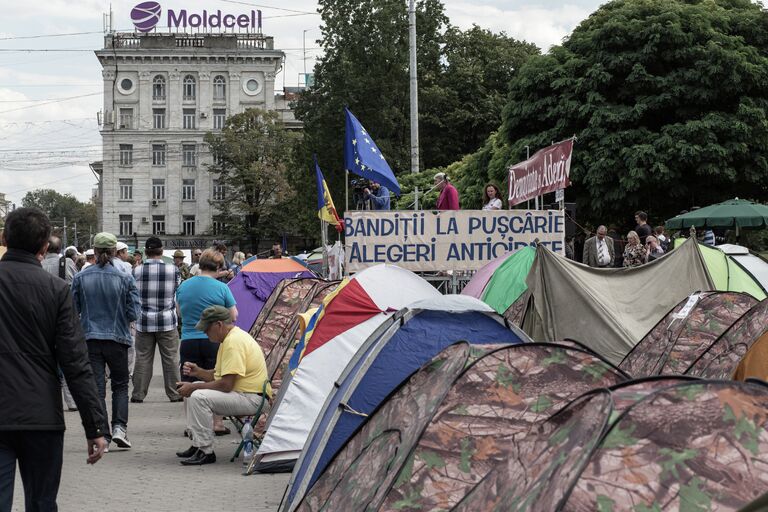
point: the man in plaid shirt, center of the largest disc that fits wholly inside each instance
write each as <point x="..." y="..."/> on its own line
<point x="157" y="283"/>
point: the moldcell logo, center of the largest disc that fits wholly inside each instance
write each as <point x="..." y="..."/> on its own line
<point x="146" y="16"/>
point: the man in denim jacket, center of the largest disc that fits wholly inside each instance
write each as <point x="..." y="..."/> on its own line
<point x="108" y="301"/>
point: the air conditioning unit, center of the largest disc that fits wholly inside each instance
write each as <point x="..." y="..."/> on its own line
<point x="154" y="202"/>
<point x="203" y="115"/>
<point x="144" y="220"/>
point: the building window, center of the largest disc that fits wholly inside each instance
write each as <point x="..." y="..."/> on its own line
<point x="158" y="189"/>
<point x="189" y="155"/>
<point x="188" y="225"/>
<point x="126" y="154"/>
<point x="218" y="190"/>
<point x="219" y="88"/>
<point x="158" y="118"/>
<point x="158" y="88"/>
<point x="126" y="225"/>
<point x="219" y="117"/>
<point x="219" y="227"/>
<point x="158" y="155"/>
<point x="126" y="189"/>
<point x="189" y="119"/>
<point x="187" y="190"/>
<point x="158" y="224"/>
<point x="126" y="118"/>
<point x="190" y="88"/>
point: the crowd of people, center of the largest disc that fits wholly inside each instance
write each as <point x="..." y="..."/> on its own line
<point x="67" y="332"/>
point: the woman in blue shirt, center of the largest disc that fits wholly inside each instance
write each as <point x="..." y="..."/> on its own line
<point x="193" y="297"/>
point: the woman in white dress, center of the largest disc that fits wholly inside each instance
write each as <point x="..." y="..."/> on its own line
<point x="491" y="197"/>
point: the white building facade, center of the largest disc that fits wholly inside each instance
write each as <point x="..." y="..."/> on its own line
<point x="162" y="94"/>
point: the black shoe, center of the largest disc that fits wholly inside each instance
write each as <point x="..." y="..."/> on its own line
<point x="136" y="401"/>
<point x="187" y="453"/>
<point x="200" y="458"/>
<point x="180" y="399"/>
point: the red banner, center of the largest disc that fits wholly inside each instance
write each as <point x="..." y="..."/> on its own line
<point x="547" y="170"/>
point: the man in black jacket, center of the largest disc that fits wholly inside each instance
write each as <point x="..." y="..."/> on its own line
<point x="38" y="331"/>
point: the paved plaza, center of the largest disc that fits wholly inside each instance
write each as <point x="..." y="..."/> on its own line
<point x="148" y="477"/>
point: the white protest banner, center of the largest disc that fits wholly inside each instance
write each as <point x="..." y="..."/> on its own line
<point x="432" y="241"/>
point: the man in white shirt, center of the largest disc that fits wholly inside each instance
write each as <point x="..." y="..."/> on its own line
<point x="120" y="261"/>
<point x="598" y="250"/>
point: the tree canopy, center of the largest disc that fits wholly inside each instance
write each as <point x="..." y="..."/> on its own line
<point x="252" y="155"/>
<point x="668" y="100"/>
<point x="80" y="217"/>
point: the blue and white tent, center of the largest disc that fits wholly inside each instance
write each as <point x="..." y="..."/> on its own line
<point x="398" y="348"/>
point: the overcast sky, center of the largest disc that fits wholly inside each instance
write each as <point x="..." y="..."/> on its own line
<point x="49" y="100"/>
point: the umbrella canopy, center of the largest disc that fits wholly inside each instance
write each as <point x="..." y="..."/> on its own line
<point x="728" y="214"/>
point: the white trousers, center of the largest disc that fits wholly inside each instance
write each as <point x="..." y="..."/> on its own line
<point x="203" y="404"/>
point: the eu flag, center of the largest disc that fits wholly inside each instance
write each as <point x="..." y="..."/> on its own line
<point x="362" y="156"/>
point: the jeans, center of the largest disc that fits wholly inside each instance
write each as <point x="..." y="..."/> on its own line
<point x="39" y="454"/>
<point x="115" y="356"/>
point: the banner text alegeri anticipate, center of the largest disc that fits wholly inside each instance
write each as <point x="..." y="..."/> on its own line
<point x="436" y="241"/>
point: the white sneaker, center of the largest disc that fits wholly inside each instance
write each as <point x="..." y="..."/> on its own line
<point x="120" y="438"/>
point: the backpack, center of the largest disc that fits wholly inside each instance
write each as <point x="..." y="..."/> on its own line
<point x="63" y="267"/>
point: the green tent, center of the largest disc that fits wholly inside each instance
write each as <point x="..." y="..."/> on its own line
<point x="729" y="275"/>
<point x="508" y="281"/>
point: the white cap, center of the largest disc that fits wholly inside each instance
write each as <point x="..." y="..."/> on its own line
<point x="90" y="252"/>
<point x="71" y="247"/>
<point x="440" y="176"/>
<point x="120" y="246"/>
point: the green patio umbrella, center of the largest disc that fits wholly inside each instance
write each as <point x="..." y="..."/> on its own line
<point x="734" y="213"/>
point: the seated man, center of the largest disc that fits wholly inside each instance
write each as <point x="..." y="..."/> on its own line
<point x="232" y="388"/>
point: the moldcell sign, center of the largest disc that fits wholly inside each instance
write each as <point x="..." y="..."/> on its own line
<point x="146" y="16"/>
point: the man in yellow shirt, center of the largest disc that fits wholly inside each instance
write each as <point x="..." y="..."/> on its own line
<point x="232" y="388"/>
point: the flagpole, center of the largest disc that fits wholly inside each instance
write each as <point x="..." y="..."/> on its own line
<point x="346" y="191"/>
<point x="324" y="241"/>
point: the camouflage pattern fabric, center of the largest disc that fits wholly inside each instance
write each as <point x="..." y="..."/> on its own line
<point x="289" y="298"/>
<point x="554" y="452"/>
<point x="543" y="465"/>
<point x="673" y="344"/>
<point x="695" y="447"/>
<point x="366" y="467"/>
<point x="722" y="358"/>
<point x="277" y="364"/>
<point x="487" y="413"/>
<point x="515" y="312"/>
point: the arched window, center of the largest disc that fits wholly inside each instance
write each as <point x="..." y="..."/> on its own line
<point x="158" y="88"/>
<point x="219" y="88"/>
<point x="190" y="87"/>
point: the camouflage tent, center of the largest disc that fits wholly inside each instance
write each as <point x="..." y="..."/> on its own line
<point x="723" y="356"/>
<point x="659" y="444"/>
<point x="685" y="333"/>
<point x="408" y="339"/>
<point x="451" y="423"/>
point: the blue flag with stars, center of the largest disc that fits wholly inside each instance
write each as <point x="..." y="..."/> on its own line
<point x="362" y="156"/>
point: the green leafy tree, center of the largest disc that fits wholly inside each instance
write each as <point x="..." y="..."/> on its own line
<point x="252" y="155"/>
<point x="668" y="99"/>
<point x="80" y="217"/>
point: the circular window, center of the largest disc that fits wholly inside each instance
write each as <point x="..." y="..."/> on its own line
<point x="252" y="87"/>
<point x="126" y="85"/>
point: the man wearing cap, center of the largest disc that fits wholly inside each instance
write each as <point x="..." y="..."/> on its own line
<point x="120" y="261"/>
<point x="232" y="388"/>
<point x="90" y="258"/>
<point x="108" y="301"/>
<point x="157" y="282"/>
<point x="449" y="196"/>
<point x="178" y="260"/>
<point x="39" y="332"/>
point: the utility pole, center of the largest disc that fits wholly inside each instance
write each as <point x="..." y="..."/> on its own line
<point x="304" y="55"/>
<point x="65" y="232"/>
<point x="414" y="87"/>
<point x="74" y="224"/>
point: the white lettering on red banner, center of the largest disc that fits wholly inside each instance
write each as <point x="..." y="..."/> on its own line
<point x="546" y="171"/>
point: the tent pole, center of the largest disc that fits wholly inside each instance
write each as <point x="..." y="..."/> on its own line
<point x="324" y="238"/>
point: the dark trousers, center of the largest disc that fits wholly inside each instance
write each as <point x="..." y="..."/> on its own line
<point x="39" y="454"/>
<point x="107" y="353"/>
<point x="201" y="352"/>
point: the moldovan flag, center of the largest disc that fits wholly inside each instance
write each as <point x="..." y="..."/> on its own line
<point x="325" y="208"/>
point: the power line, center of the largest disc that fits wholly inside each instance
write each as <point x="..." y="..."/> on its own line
<point x="38" y="36"/>
<point x="49" y="102"/>
<point x="35" y="101"/>
<point x="49" y="183"/>
<point x="268" y="7"/>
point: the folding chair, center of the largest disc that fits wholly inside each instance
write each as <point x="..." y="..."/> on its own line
<point x="239" y="422"/>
